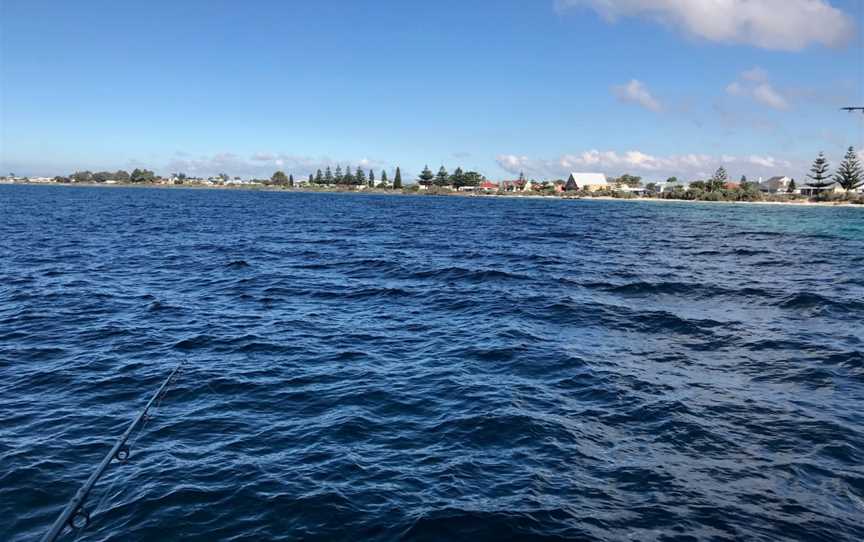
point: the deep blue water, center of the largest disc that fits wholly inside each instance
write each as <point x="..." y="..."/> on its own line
<point x="421" y="368"/>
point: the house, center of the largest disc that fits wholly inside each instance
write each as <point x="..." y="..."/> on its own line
<point x="667" y="187"/>
<point x="511" y="186"/>
<point x="559" y="185"/>
<point x="775" y="185"/>
<point x="831" y="188"/>
<point x="731" y="185"/>
<point x="635" y="190"/>
<point x="488" y="186"/>
<point x="592" y="182"/>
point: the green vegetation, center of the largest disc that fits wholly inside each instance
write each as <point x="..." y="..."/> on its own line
<point x="821" y="185"/>
<point x="819" y="177"/>
<point x="850" y="175"/>
<point x="426" y="176"/>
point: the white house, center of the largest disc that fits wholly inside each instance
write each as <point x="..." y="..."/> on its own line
<point x="775" y="185"/>
<point x="666" y="187"/>
<point x="635" y="190"/>
<point x="832" y="188"/>
<point x="591" y="182"/>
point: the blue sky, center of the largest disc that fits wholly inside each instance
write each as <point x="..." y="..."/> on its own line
<point x="649" y="87"/>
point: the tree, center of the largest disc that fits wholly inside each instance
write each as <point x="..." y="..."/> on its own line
<point x="384" y="177"/>
<point x="279" y="177"/>
<point x="328" y="176"/>
<point x="629" y="180"/>
<point x="82" y="176"/>
<point x="121" y="175"/>
<point x="371" y="179"/>
<point x="718" y="180"/>
<point x="142" y="175"/>
<point x="348" y="178"/>
<point x="672" y="180"/>
<point x="225" y="178"/>
<point x="359" y="177"/>
<point x="319" y="177"/>
<point x="425" y="176"/>
<point x="792" y="187"/>
<point x="338" y="177"/>
<point x="397" y="180"/>
<point x="312" y="178"/>
<point x="102" y="176"/>
<point x="457" y="179"/>
<point x="652" y="188"/>
<point x="291" y="181"/>
<point x="472" y="178"/>
<point x="819" y="172"/>
<point x="443" y="178"/>
<point x="850" y="175"/>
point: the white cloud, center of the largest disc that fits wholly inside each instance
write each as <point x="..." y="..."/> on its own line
<point x="735" y="89"/>
<point x="789" y="25"/>
<point x="654" y="167"/>
<point x="636" y="92"/>
<point x="768" y="95"/>
<point x="755" y="84"/>
<point x="756" y="75"/>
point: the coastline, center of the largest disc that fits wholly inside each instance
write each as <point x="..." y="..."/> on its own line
<point x="390" y="192"/>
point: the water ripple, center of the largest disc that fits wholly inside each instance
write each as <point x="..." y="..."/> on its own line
<point x="365" y="367"/>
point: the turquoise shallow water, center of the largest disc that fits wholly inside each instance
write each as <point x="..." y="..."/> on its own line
<point x="420" y="368"/>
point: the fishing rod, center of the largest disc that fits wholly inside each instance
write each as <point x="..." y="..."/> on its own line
<point x="75" y="516"/>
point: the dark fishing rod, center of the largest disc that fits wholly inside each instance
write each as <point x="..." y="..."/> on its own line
<point x="75" y="516"/>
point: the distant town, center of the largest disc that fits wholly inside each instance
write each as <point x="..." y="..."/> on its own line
<point x="844" y="185"/>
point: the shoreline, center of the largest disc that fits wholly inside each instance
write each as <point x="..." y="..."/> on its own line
<point x="379" y="192"/>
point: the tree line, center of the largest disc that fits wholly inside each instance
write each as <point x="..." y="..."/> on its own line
<point x="329" y="177"/>
<point x="122" y="176"/>
<point x="457" y="179"/>
<point x="849" y="176"/>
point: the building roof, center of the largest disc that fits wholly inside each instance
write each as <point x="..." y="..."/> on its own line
<point x="775" y="183"/>
<point x="830" y="184"/>
<point x="592" y="179"/>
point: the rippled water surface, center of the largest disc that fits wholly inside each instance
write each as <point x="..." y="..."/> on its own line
<point x="420" y="368"/>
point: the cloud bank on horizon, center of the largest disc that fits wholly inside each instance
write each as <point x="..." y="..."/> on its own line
<point x="786" y="25"/>
<point x="651" y="167"/>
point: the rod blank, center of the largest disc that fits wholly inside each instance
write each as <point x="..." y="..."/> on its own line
<point x="75" y="515"/>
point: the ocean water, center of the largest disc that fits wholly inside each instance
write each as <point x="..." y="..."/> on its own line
<point x="419" y="368"/>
